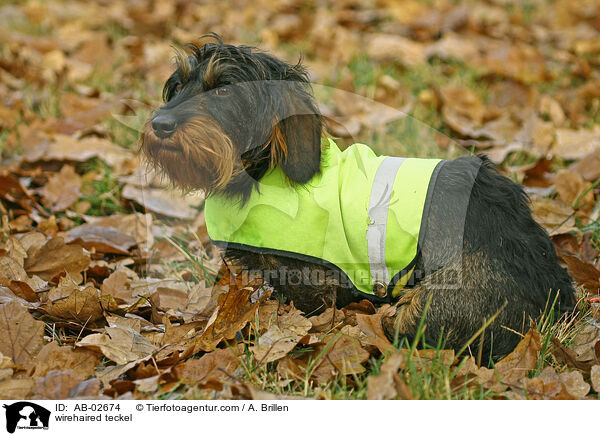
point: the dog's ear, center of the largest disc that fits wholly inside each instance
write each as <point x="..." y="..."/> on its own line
<point x="296" y="138"/>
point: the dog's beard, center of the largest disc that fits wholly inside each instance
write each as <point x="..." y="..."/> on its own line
<point x="198" y="156"/>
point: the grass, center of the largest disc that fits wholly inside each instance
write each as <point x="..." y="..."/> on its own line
<point x="416" y="135"/>
<point x="434" y="377"/>
<point x="431" y="378"/>
<point x="104" y="192"/>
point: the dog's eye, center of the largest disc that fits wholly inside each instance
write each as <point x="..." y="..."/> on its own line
<point x="178" y="88"/>
<point x="222" y="91"/>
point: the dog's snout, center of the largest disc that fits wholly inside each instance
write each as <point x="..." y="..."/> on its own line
<point x="164" y="125"/>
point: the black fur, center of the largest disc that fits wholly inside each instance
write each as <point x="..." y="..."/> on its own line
<point x="262" y="93"/>
<point x="482" y="249"/>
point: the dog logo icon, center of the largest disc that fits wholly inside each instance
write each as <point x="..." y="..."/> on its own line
<point x="26" y="415"/>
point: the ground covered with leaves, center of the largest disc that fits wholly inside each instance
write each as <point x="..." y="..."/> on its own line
<point x="109" y="286"/>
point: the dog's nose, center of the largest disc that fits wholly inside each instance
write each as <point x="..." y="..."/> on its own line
<point x="163" y="125"/>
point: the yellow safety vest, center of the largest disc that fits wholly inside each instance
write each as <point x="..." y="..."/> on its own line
<point x="362" y="214"/>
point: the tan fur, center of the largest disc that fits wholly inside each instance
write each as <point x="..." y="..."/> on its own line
<point x="202" y="156"/>
<point x="212" y="71"/>
<point x="182" y="61"/>
<point x="278" y="145"/>
<point x="409" y="310"/>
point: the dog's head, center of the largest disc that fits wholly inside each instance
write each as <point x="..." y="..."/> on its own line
<point x="231" y="113"/>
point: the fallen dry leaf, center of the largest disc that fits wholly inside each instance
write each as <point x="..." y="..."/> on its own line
<point x="62" y="189"/>
<point x="162" y="202"/>
<point x="585" y="342"/>
<point x="515" y="367"/>
<point x="588" y="167"/>
<point x="233" y="312"/>
<point x="81" y="305"/>
<point x="342" y="355"/>
<point x="327" y="320"/>
<point x="23" y="336"/>
<point x="12" y="191"/>
<point x="460" y="101"/>
<point x="67" y="148"/>
<point x="571" y="188"/>
<point x="372" y="329"/>
<point x="584" y="273"/>
<point x="388" y="384"/>
<point x="119" y="285"/>
<point x="16" y="389"/>
<point x="395" y="48"/>
<point x="101" y="239"/>
<point x="281" y="337"/>
<point x="137" y="226"/>
<point x="595" y="378"/>
<point x="55" y="357"/>
<point x="575" y="144"/>
<point x="210" y="367"/>
<point x="56" y="385"/>
<point x="121" y="345"/>
<point x="56" y="257"/>
<point x="555" y="216"/>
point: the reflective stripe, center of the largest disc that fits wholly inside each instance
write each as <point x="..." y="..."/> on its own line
<point x="379" y="204"/>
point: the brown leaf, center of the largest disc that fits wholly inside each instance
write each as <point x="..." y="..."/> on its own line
<point x="371" y="327"/>
<point x="137" y="226"/>
<point x="119" y="285"/>
<point x="67" y="148"/>
<point x="12" y="191"/>
<point x="121" y="345"/>
<point x="584" y="273"/>
<point x="570" y="186"/>
<point x="267" y="315"/>
<point x="234" y="311"/>
<point x="555" y="216"/>
<point x="56" y="257"/>
<point x="344" y="357"/>
<point x="208" y="367"/>
<point x="147" y="385"/>
<point x="424" y="360"/>
<point x="282" y="337"/>
<point x="56" y="385"/>
<point x="87" y="389"/>
<point x="167" y="203"/>
<point x="584" y="343"/>
<point x="382" y="386"/>
<point x="588" y="166"/>
<point x="552" y="109"/>
<point x="515" y="367"/>
<point x="575" y="144"/>
<point x="81" y="305"/>
<point x="81" y="112"/>
<point x="23" y="336"/>
<point x="55" y="357"/>
<point x="463" y="102"/>
<point x="568" y="357"/>
<point x="11" y="270"/>
<point x="517" y="61"/>
<point x="174" y="297"/>
<point x="327" y="320"/>
<point x="595" y="378"/>
<point x="289" y="368"/>
<point x="547" y="387"/>
<point x="575" y="385"/>
<point x="101" y="239"/>
<point x="16" y="389"/>
<point x="395" y="48"/>
<point x="62" y="190"/>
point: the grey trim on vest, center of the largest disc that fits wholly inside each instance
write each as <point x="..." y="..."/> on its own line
<point x="379" y="204"/>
